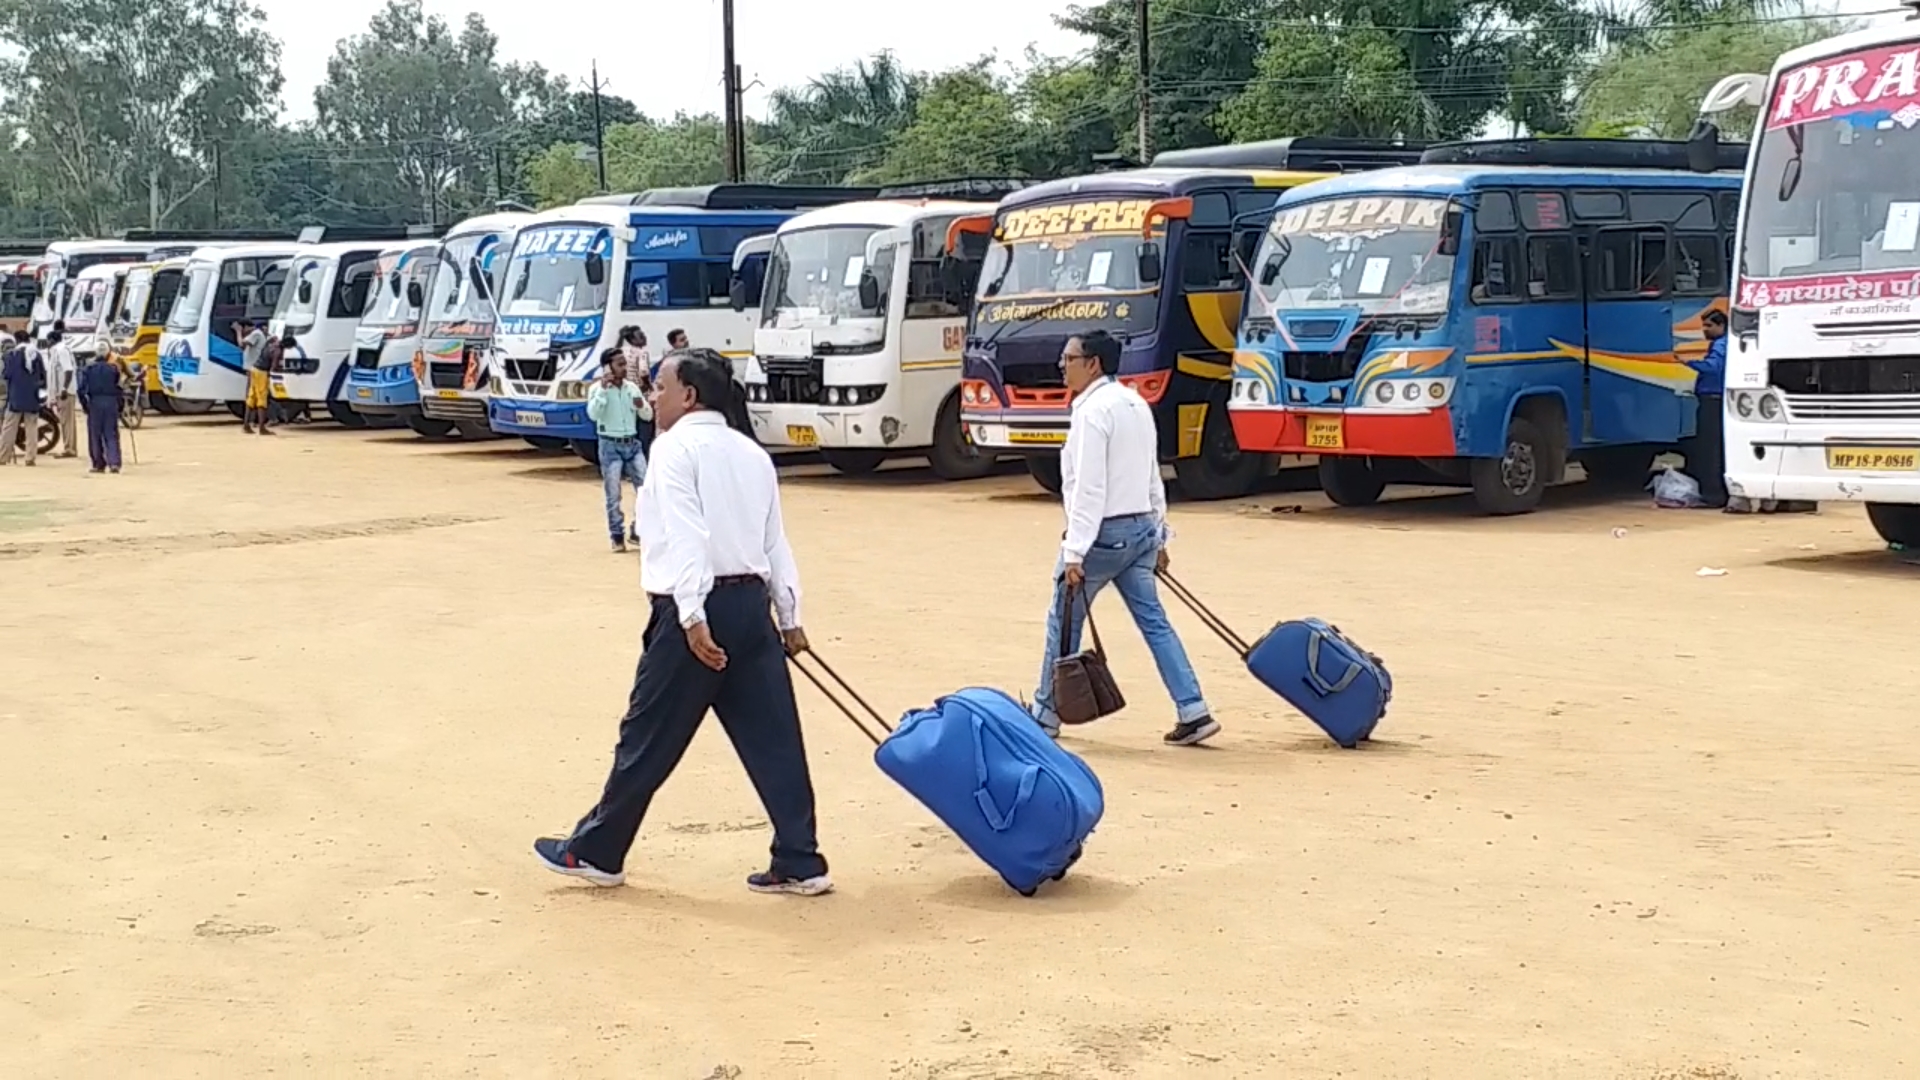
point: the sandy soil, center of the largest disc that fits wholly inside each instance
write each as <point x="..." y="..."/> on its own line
<point x="281" y="718"/>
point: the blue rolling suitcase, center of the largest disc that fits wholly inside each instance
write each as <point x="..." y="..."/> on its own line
<point x="1310" y="663"/>
<point x="980" y="763"/>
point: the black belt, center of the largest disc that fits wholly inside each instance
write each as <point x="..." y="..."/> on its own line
<point x="621" y="438"/>
<point x="726" y="581"/>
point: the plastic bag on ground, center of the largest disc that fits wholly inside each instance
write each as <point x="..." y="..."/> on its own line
<point x="1675" y="490"/>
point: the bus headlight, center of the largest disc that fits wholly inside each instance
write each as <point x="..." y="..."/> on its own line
<point x="1742" y="402"/>
<point x="1383" y="392"/>
<point x="574" y="391"/>
<point x="1769" y="407"/>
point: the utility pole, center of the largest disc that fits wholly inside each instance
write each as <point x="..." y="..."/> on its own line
<point x="599" y="130"/>
<point x="1146" y="76"/>
<point x="736" y="143"/>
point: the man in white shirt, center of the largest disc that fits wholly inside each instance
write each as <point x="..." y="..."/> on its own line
<point x="62" y="374"/>
<point x="1116" y="532"/>
<point x="713" y="557"/>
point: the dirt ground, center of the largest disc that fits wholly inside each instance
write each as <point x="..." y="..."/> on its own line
<point x="282" y="717"/>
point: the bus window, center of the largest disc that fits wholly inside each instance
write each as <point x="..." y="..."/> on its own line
<point x="1494" y="213"/>
<point x="1543" y="211"/>
<point x="1206" y="261"/>
<point x="1681" y="209"/>
<point x="1631" y="263"/>
<point x="1211" y="210"/>
<point x="1496" y="266"/>
<point x="1599" y="205"/>
<point x="1258" y="200"/>
<point x="1553" y="268"/>
<point x="1697" y="269"/>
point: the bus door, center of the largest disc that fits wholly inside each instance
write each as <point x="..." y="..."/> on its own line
<point x="1629" y="316"/>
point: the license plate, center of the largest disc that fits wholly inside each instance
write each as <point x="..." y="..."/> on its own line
<point x="363" y="392"/>
<point x="1326" y="433"/>
<point x="1043" y="438"/>
<point x="1872" y="459"/>
<point x="530" y="419"/>
<point x="451" y="395"/>
<point x="801" y="435"/>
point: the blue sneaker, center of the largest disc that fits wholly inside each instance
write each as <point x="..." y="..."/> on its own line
<point x="553" y="854"/>
<point x="771" y="882"/>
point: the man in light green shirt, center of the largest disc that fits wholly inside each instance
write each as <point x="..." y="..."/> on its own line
<point x="616" y="408"/>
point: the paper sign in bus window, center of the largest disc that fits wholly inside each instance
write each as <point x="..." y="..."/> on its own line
<point x="1373" y="277"/>
<point x="851" y="278"/>
<point x="1903" y="227"/>
<point x="1098" y="266"/>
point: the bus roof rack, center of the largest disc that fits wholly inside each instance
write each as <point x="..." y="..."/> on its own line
<point x="1304" y="153"/>
<point x="197" y="237"/>
<point x="739" y="197"/>
<point x="1579" y="153"/>
<point x="976" y="188"/>
<point x="28" y="249"/>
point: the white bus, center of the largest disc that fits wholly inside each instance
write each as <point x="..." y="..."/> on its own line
<point x="862" y="318"/>
<point x="458" y="337"/>
<point x="65" y="260"/>
<point x="661" y="260"/>
<point x="1823" y="359"/>
<point x="321" y="308"/>
<point x="386" y="346"/>
<point x="91" y="300"/>
<point x="199" y="355"/>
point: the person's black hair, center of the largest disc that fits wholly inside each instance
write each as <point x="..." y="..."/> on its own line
<point x="288" y="341"/>
<point x="1715" y="316"/>
<point x="608" y="356"/>
<point x="633" y="334"/>
<point x="676" y="332"/>
<point x="244" y="324"/>
<point x="1103" y="347"/>
<point x="60" y="326"/>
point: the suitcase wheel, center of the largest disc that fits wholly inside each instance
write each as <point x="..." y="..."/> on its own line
<point x="1071" y="859"/>
<point x="1028" y="893"/>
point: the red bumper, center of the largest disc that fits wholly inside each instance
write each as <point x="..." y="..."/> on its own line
<point x="1272" y="431"/>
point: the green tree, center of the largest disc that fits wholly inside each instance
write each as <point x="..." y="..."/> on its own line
<point x="1070" y="113"/>
<point x="965" y="124"/>
<point x="686" y="151"/>
<point x="839" y="123"/>
<point x="1653" y="86"/>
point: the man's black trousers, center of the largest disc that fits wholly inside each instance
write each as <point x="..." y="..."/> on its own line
<point x="672" y="691"/>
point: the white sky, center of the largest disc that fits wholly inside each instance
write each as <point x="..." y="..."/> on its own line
<point x="664" y="55"/>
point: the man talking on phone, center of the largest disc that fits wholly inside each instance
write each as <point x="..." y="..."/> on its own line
<point x="713" y="560"/>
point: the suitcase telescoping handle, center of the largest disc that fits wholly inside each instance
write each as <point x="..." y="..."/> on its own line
<point x="1213" y="622"/>
<point x="826" y="674"/>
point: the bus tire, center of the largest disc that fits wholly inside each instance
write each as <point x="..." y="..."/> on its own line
<point x="1350" y="481"/>
<point x="1045" y="470"/>
<point x="1624" y="467"/>
<point x="853" y="462"/>
<point x="1515" y="482"/>
<point x="587" y="450"/>
<point x="1221" y="470"/>
<point x="428" y="428"/>
<point x="344" y="415"/>
<point x="953" y="455"/>
<point x="474" y="430"/>
<point x="552" y="444"/>
<point x="238" y="409"/>
<point x="1896" y="523"/>
<point x="164" y="405"/>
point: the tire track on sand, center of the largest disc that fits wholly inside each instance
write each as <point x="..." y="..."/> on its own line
<point x="190" y="543"/>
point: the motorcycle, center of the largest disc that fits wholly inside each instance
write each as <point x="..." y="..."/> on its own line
<point x="133" y="397"/>
<point x="49" y="430"/>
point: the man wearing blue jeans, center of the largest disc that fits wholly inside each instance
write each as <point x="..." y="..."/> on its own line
<point x="615" y="407"/>
<point x="1116" y="529"/>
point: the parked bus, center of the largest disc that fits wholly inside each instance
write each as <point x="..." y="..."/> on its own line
<point x="454" y="367"/>
<point x="861" y="323"/>
<point x="380" y="383"/>
<point x="1823" y="376"/>
<point x="330" y="283"/>
<point x="1146" y="255"/>
<point x="1486" y="317"/>
<point x="199" y="356"/>
<point x="65" y="259"/>
<point x="140" y="319"/>
<point x="19" y="288"/>
<point x="660" y="260"/>
<point x="90" y="303"/>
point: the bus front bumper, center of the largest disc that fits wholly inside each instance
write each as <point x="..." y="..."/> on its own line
<point x="1426" y="433"/>
<point x="454" y="405"/>
<point x="1036" y="432"/>
<point x="1854" y="469"/>
<point x="867" y="427"/>
<point x="553" y="419"/>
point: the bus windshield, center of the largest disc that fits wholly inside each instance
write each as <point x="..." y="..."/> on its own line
<point x="454" y="298"/>
<point x="548" y="273"/>
<point x="159" y="302"/>
<point x="818" y="271"/>
<point x="1377" y="253"/>
<point x="300" y="303"/>
<point x="133" y="299"/>
<point x="1087" y="264"/>
<point x="17" y="293"/>
<point x="83" y="310"/>
<point x="1832" y="188"/>
<point x="387" y="304"/>
<point x="191" y="304"/>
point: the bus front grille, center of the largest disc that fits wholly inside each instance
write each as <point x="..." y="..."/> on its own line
<point x="1326" y="367"/>
<point x="795" y="382"/>
<point x="366" y="359"/>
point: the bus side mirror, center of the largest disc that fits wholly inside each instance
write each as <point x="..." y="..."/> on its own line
<point x="1703" y="146"/>
<point x="478" y="275"/>
<point x="86" y="302"/>
<point x="1450" y="229"/>
<point x="1270" y="271"/>
<point x="1246" y="245"/>
<point x="596" y="269"/>
<point x="1147" y="259"/>
<point x="869" y="292"/>
<point x="737" y="293"/>
<point x="953" y="280"/>
<point x="393" y="283"/>
<point x="415" y="295"/>
<point x="304" y="291"/>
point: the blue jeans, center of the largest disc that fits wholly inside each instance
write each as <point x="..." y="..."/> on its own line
<point x="1122" y="556"/>
<point x="620" y="459"/>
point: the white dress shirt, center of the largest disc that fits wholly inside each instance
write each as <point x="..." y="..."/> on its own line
<point x="61" y="371"/>
<point x="710" y="508"/>
<point x="1110" y="466"/>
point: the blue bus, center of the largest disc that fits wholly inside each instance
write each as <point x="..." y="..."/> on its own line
<point x="1485" y="317"/>
<point x="661" y="260"/>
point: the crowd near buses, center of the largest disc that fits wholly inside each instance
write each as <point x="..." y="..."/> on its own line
<point x="1483" y="315"/>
